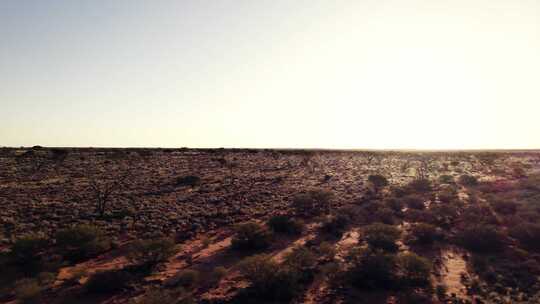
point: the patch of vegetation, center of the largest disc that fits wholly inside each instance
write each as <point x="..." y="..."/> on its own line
<point x="81" y="242"/>
<point x="482" y="238"/>
<point x="188" y="180"/>
<point x="468" y="180"/>
<point x="378" y="181"/>
<point x="425" y="234"/>
<point x="27" y="252"/>
<point x="419" y="185"/>
<point x="27" y="290"/>
<point x="382" y="237"/>
<point x="285" y="225"/>
<point x="528" y="235"/>
<point x="250" y="237"/>
<point x="148" y="253"/>
<point x="312" y="203"/>
<point x="108" y="282"/>
<point x="335" y="225"/>
<point x="270" y="280"/>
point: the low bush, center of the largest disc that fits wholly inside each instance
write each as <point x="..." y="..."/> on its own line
<point x="425" y="234"/>
<point x="27" y="290"/>
<point x="187" y="279"/>
<point x="378" y="181"/>
<point x="413" y="270"/>
<point x="27" y="249"/>
<point x="335" y="225"/>
<point x="312" y="203"/>
<point x="108" y="281"/>
<point x="150" y="252"/>
<point x="468" y="180"/>
<point x="414" y="202"/>
<point x="419" y="185"/>
<point x="528" y="235"/>
<point x="382" y="237"/>
<point x="188" y="180"/>
<point x="251" y="236"/>
<point x="81" y="242"/>
<point x="268" y="279"/>
<point x="373" y="269"/>
<point x="446" y="179"/>
<point x="482" y="238"/>
<point x="505" y="207"/>
<point x="285" y="225"/>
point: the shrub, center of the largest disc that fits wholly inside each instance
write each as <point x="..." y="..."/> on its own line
<point x="151" y="252"/>
<point x="414" y="202"/>
<point x="425" y="233"/>
<point x="419" y="185"/>
<point x="395" y="205"/>
<point x="27" y="290"/>
<point x="187" y="279"/>
<point x="188" y="180"/>
<point x="83" y="241"/>
<point x="382" y="236"/>
<point x="446" y="179"/>
<point x="373" y="269"/>
<point x="482" y="238"/>
<point x="447" y="195"/>
<point x="312" y="203"/>
<point x="219" y="273"/>
<point x="335" y="225"/>
<point x="285" y="225"/>
<point x="378" y="181"/>
<point x="468" y="180"/>
<point x="528" y="235"/>
<point x="28" y="248"/>
<point x="505" y="207"/>
<point x="300" y="259"/>
<point x="251" y="236"/>
<point x="268" y="279"/>
<point x="157" y="296"/>
<point x="414" y="271"/>
<point x="108" y="281"/>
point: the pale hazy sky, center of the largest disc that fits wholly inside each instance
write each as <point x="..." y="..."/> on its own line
<point x="331" y="74"/>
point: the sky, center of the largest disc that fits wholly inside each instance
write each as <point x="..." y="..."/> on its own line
<point x="376" y="74"/>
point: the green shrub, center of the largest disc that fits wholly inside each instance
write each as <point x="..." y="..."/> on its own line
<point x="425" y="234"/>
<point x="270" y="280"/>
<point x="335" y="225"/>
<point x="187" y="279"/>
<point x="27" y="290"/>
<point x="482" y="238"/>
<point x="373" y="269"/>
<point x="300" y="259"/>
<point x="312" y="203"/>
<point x="528" y="235"/>
<point x="151" y="252"/>
<point x="251" y="236"/>
<point x="157" y="296"/>
<point x="285" y="225"/>
<point x="419" y="185"/>
<point x="188" y="180"/>
<point x="446" y="179"/>
<point x="378" y="181"/>
<point x="81" y="242"/>
<point x="468" y="180"/>
<point x="382" y="236"/>
<point x="27" y="249"/>
<point x="108" y="281"/>
<point x="414" y="202"/>
<point x="505" y="207"/>
<point x="414" y="271"/>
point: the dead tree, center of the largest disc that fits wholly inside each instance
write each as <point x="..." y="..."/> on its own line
<point x="104" y="191"/>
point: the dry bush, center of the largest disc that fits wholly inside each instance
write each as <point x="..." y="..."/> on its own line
<point x="286" y="225"/>
<point x="382" y="237"/>
<point x="82" y="242"/>
<point x="251" y="236"/>
<point x="150" y="252"/>
<point x="312" y="203"/>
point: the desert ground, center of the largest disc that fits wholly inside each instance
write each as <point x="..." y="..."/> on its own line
<point x="95" y="225"/>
